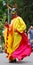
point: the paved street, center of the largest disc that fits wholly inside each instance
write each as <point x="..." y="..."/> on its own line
<point x="26" y="61"/>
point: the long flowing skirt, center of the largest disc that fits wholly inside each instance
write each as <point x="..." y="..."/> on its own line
<point x="23" y="50"/>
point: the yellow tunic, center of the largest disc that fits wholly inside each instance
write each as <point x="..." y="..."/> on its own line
<point x="14" y="40"/>
<point x="18" y="24"/>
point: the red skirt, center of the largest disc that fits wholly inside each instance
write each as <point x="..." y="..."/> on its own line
<point x="23" y="50"/>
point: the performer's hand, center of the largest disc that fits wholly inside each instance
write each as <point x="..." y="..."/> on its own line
<point x="15" y="30"/>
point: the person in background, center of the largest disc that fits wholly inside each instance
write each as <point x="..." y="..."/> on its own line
<point x="30" y="36"/>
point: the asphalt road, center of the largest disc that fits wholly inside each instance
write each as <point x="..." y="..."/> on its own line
<point x="25" y="61"/>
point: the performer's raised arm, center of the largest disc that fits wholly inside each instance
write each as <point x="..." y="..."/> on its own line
<point x="8" y="6"/>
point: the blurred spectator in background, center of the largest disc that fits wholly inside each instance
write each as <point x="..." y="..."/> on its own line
<point x="30" y="36"/>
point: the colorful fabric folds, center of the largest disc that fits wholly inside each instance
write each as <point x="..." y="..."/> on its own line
<point x="16" y="40"/>
<point x="23" y="50"/>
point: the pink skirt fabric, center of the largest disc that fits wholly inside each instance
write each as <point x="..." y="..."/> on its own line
<point x="23" y="50"/>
